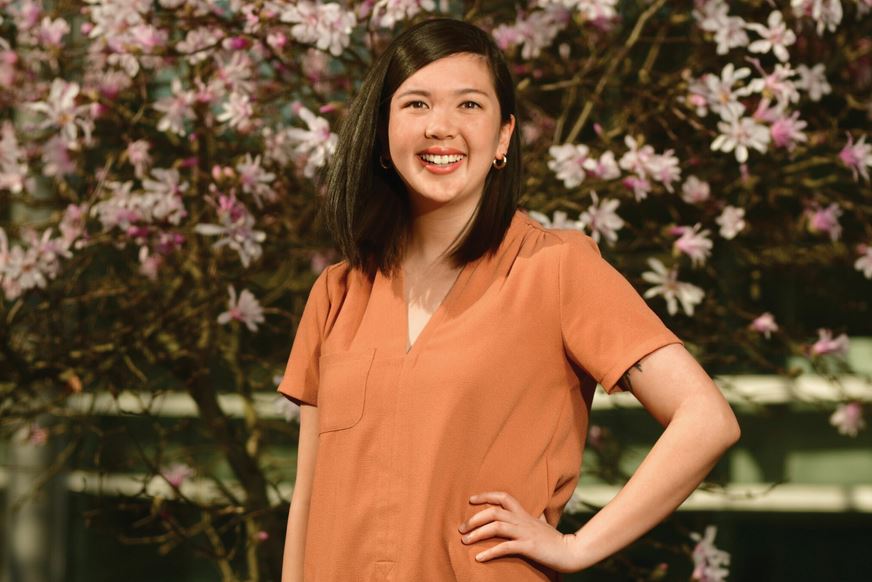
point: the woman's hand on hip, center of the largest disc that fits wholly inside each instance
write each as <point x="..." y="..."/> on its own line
<point x="527" y="535"/>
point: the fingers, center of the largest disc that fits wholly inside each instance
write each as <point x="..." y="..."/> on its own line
<point x="494" y="528"/>
<point x="485" y="516"/>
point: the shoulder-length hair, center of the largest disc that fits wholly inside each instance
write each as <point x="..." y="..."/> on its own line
<point x="367" y="210"/>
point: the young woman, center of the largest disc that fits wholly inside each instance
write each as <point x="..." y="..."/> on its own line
<point x="445" y="368"/>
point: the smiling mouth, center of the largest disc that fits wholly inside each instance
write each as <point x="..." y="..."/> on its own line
<point x="441" y="160"/>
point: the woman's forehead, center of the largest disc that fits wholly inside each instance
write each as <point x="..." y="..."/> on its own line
<point x="454" y="74"/>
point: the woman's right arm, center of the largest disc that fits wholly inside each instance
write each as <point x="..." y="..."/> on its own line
<point x="298" y="516"/>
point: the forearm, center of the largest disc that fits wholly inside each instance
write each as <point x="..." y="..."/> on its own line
<point x="295" y="538"/>
<point x="680" y="459"/>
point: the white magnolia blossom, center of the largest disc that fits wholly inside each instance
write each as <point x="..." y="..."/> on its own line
<point x="694" y="190"/>
<point x="13" y="160"/>
<point x="694" y="243"/>
<point x="314" y="145"/>
<point x="731" y="35"/>
<point x="776" y="37"/>
<point x="777" y="84"/>
<point x="647" y="164"/>
<point x="826" y="13"/>
<point x="731" y="221"/>
<point x="237" y="112"/>
<point x="236" y="230"/>
<point x="709" y="562"/>
<point x="604" y="168"/>
<point x="255" y="180"/>
<point x="864" y="263"/>
<point x="176" y="108"/>
<point x="720" y="91"/>
<point x="740" y="133"/>
<point x="327" y="26"/>
<point x="200" y="43"/>
<point x="568" y="163"/>
<point x="386" y="13"/>
<point x="32" y="265"/>
<point x="588" y="9"/>
<point x="666" y="283"/>
<point x="601" y="219"/>
<point x="559" y="220"/>
<point x="61" y="112"/>
<point x="813" y="81"/>
<point x="848" y="418"/>
<point x="535" y="31"/>
<point x="160" y="202"/>
<point x="245" y="309"/>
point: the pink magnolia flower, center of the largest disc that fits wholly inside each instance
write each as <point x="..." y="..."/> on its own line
<point x="848" y="418"/>
<point x="786" y="131"/>
<point x="864" y="263"/>
<point x="764" y="324"/>
<point x="138" y="156"/>
<point x="826" y="344"/>
<point x="601" y="219"/>
<point x="693" y="242"/>
<point x="857" y="156"/>
<point x="51" y="32"/>
<point x="637" y="158"/>
<point x="825" y="220"/>
<point x="37" y="436"/>
<point x="236" y="230"/>
<point x="246" y="309"/>
<point x="709" y="562"/>
<point x="177" y="473"/>
<point x="639" y="185"/>
<point x="694" y="190"/>
<point x="673" y="291"/>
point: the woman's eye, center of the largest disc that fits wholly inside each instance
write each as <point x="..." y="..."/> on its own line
<point x="470" y="105"/>
<point x="416" y="104"/>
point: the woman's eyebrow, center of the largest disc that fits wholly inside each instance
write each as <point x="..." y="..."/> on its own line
<point x="427" y="93"/>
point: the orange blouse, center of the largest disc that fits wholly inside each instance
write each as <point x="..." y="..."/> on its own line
<point x="494" y="394"/>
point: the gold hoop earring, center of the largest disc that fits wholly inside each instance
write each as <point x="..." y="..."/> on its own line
<point x="500" y="164"/>
<point x="381" y="161"/>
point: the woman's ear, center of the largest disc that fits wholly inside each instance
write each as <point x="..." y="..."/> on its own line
<point x="506" y="134"/>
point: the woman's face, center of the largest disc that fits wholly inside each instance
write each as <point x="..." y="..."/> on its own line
<point x="444" y="131"/>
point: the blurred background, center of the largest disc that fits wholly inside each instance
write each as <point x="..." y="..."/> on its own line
<point x="159" y="234"/>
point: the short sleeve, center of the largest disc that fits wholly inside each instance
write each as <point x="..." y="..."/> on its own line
<point x="606" y="325"/>
<point x="300" y="381"/>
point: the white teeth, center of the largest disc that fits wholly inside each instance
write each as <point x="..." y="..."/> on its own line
<point x="441" y="160"/>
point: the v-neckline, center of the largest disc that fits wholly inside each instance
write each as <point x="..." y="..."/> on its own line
<point x="437" y="314"/>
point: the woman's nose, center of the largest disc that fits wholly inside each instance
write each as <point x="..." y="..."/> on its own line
<point x="440" y="125"/>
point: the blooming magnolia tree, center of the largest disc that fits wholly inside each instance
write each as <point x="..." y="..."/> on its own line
<point x="158" y="180"/>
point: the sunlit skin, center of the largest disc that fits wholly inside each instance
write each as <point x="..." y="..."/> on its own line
<point x="447" y="107"/>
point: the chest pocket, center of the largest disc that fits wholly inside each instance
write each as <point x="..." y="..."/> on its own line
<point x="342" y="389"/>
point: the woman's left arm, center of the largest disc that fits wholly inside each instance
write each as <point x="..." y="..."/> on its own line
<point x="700" y="427"/>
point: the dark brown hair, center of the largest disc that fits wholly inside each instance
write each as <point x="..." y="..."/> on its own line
<point x="368" y="211"/>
